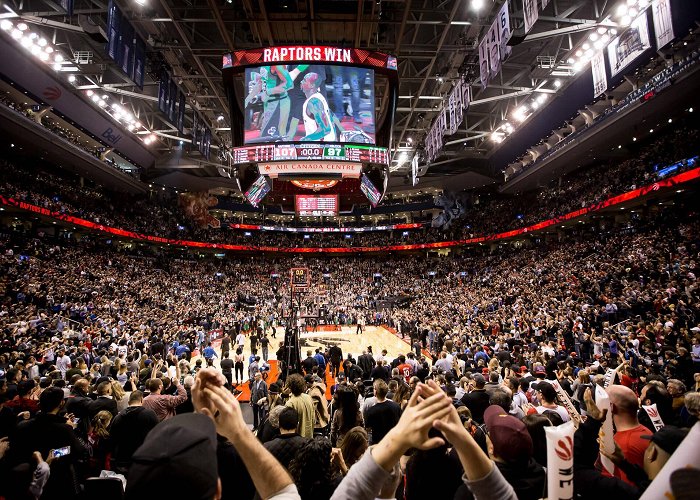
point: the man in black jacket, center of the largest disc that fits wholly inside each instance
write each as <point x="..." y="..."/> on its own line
<point x="285" y="447"/>
<point x="477" y="400"/>
<point x="129" y="429"/>
<point x="336" y="354"/>
<point x="43" y="433"/>
<point x="104" y="400"/>
<point x="78" y="404"/>
<point x="366" y="363"/>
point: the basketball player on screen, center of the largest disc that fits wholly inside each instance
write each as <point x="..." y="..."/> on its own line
<point x="318" y="120"/>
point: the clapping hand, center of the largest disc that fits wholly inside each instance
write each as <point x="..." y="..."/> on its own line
<point x="213" y="400"/>
<point x="591" y="407"/>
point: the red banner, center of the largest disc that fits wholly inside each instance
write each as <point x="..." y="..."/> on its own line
<point x="309" y="53"/>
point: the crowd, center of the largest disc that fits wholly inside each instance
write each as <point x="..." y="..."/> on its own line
<point x="58" y="129"/>
<point x="105" y="355"/>
<point x="160" y="215"/>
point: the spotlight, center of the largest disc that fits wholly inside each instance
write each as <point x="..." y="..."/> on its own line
<point x="22" y="26"/>
<point x="16" y="34"/>
<point x="57" y="66"/>
<point x="477" y="4"/>
<point x="71" y="78"/>
<point x="220" y="118"/>
<point x="43" y="56"/>
<point x="140" y="2"/>
<point x="626" y="21"/>
<point x="42" y="42"/>
<point x="26" y="42"/>
<point x="58" y="58"/>
<point x="5" y="25"/>
<point x="89" y="93"/>
<point x="557" y="83"/>
<point x="48" y="50"/>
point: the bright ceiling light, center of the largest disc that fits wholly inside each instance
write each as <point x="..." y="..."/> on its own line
<point x="535" y="105"/>
<point x="16" y="34"/>
<point x="71" y="78"/>
<point x="5" y="25"/>
<point x="43" y="56"/>
<point x="579" y="53"/>
<point x="593" y="36"/>
<point x="626" y="21"/>
<point x="26" y="41"/>
<point x="89" y="93"/>
<point x="586" y="46"/>
<point x="602" y="30"/>
<point x="42" y="42"/>
<point x="632" y="12"/>
<point x="57" y="66"/>
<point x="22" y="26"/>
<point x="542" y="98"/>
<point x="58" y="58"/>
<point x="557" y="83"/>
<point x="102" y="103"/>
<point x="48" y="50"/>
<point x="140" y="2"/>
<point x="621" y="10"/>
<point x="477" y="4"/>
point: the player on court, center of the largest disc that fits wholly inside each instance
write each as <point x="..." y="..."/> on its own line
<point x="318" y="122"/>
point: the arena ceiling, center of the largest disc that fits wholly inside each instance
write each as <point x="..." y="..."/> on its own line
<point x="436" y="43"/>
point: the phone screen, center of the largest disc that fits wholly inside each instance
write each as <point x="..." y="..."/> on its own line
<point x="61" y="452"/>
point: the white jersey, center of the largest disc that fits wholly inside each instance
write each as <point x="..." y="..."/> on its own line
<point x="310" y="124"/>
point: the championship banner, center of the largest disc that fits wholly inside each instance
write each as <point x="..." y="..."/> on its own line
<point x="504" y="31"/>
<point x="484" y="63"/>
<point x="607" y="432"/>
<point x="565" y="401"/>
<point x="560" y="460"/>
<point x="530" y="14"/>
<point x="493" y="40"/>
<point x="452" y="111"/>
<point x="654" y="416"/>
<point x="686" y="455"/>
<point x="610" y="375"/>
<point x="600" y="78"/>
<point x="663" y="25"/>
<point x="627" y="47"/>
<point x="344" y="168"/>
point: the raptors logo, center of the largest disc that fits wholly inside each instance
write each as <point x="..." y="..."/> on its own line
<point x="52" y="93"/>
<point x="655" y="186"/>
<point x="565" y="448"/>
<point x="652" y="412"/>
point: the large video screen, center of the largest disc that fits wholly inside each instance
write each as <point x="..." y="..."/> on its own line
<point x="370" y="191"/>
<point x="309" y="103"/>
<point x="323" y="205"/>
<point x="257" y="191"/>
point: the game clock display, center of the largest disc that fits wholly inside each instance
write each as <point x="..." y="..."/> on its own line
<point x="300" y="278"/>
<point x="331" y="152"/>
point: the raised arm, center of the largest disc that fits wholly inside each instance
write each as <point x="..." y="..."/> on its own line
<point x="212" y="399"/>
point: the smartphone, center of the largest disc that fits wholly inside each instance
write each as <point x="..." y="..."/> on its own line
<point x="76" y="420"/>
<point x="60" y="452"/>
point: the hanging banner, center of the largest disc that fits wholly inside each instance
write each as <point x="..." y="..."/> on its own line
<point x="600" y="77"/>
<point x="631" y="44"/>
<point x="181" y="112"/>
<point x="493" y="40"/>
<point x="466" y="95"/>
<point x="530" y="14"/>
<point x="607" y="432"/>
<point x="654" y="416"/>
<point x="663" y="26"/>
<point x="687" y="455"/>
<point x="452" y="111"/>
<point x="484" y="63"/>
<point x="504" y="31"/>
<point x="560" y="460"/>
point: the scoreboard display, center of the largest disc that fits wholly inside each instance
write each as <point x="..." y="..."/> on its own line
<point x="332" y="152"/>
<point x="323" y="205"/>
<point x="300" y="278"/>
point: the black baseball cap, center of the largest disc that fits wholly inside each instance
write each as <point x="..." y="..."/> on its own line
<point x="668" y="438"/>
<point x="177" y="460"/>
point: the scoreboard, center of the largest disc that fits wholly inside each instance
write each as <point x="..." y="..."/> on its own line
<point x="323" y="205"/>
<point x="300" y="278"/>
<point x="287" y="152"/>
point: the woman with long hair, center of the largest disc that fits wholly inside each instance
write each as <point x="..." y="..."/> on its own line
<point x="98" y="439"/>
<point x="347" y="414"/>
<point x="312" y="472"/>
<point x="119" y="395"/>
<point x="402" y="395"/>
<point x="353" y="445"/>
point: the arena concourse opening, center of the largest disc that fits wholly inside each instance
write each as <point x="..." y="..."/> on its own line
<point x="349" y="250"/>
